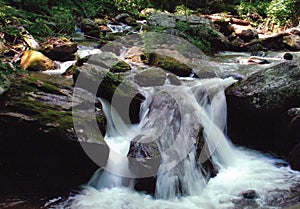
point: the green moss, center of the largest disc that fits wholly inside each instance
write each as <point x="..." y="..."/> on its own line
<point x="120" y="67"/>
<point x="42" y="85"/>
<point x="168" y="63"/>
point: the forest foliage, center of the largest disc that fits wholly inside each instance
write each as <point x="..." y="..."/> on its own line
<point x="54" y="17"/>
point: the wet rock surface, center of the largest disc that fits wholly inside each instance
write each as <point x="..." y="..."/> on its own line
<point x="40" y="154"/>
<point x="258" y="108"/>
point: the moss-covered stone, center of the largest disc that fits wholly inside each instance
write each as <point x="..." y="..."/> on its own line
<point x="47" y="103"/>
<point x="168" y="63"/>
<point x="120" y="67"/>
<point x="99" y="80"/>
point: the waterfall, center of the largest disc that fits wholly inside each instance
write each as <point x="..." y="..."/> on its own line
<point x="173" y="117"/>
<point x="187" y="123"/>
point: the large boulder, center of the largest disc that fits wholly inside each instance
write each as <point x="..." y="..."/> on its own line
<point x="168" y="63"/>
<point x="39" y="149"/>
<point x="258" y="106"/>
<point x="97" y="78"/>
<point x="163" y="130"/>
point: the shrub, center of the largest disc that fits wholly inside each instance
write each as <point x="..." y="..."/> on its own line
<point x="280" y="12"/>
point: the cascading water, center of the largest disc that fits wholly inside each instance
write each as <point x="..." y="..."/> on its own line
<point x="173" y="116"/>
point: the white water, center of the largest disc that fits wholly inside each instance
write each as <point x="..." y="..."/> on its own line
<point x="239" y="170"/>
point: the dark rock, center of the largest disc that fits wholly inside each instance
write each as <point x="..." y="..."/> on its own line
<point x="256" y="106"/>
<point x="249" y="194"/>
<point x="144" y="160"/>
<point x="224" y="27"/>
<point x="292" y="119"/>
<point x="234" y="75"/>
<point x="38" y="144"/>
<point x="248" y="35"/>
<point x="59" y="49"/>
<point x="294" y="157"/>
<point x="237" y="42"/>
<point x="288" y="56"/>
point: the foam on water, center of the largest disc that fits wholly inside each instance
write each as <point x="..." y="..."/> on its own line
<point x="239" y="170"/>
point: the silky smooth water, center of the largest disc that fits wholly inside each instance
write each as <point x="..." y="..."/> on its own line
<point x="170" y="115"/>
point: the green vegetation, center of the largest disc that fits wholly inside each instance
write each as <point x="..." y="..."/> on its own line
<point x="51" y="18"/>
<point x="196" y="35"/>
<point x="271" y="13"/>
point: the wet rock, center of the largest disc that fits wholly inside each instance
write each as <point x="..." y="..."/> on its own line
<point x="237" y="42"/>
<point x="123" y="95"/>
<point x="36" y="61"/>
<point x="144" y="160"/>
<point x="249" y="194"/>
<point x="234" y="75"/>
<point x="292" y="118"/>
<point x="146" y="150"/>
<point x="168" y="63"/>
<point x="294" y="156"/>
<point x="151" y="77"/>
<point x="256" y="106"/>
<point x="288" y="56"/>
<point x="36" y="123"/>
<point x="59" y="49"/>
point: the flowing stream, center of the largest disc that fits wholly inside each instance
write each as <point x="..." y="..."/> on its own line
<point x="172" y="117"/>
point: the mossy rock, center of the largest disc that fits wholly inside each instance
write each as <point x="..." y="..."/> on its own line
<point x="99" y="80"/>
<point x="46" y="103"/>
<point x="120" y="67"/>
<point x="168" y="63"/>
<point x="36" y="61"/>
